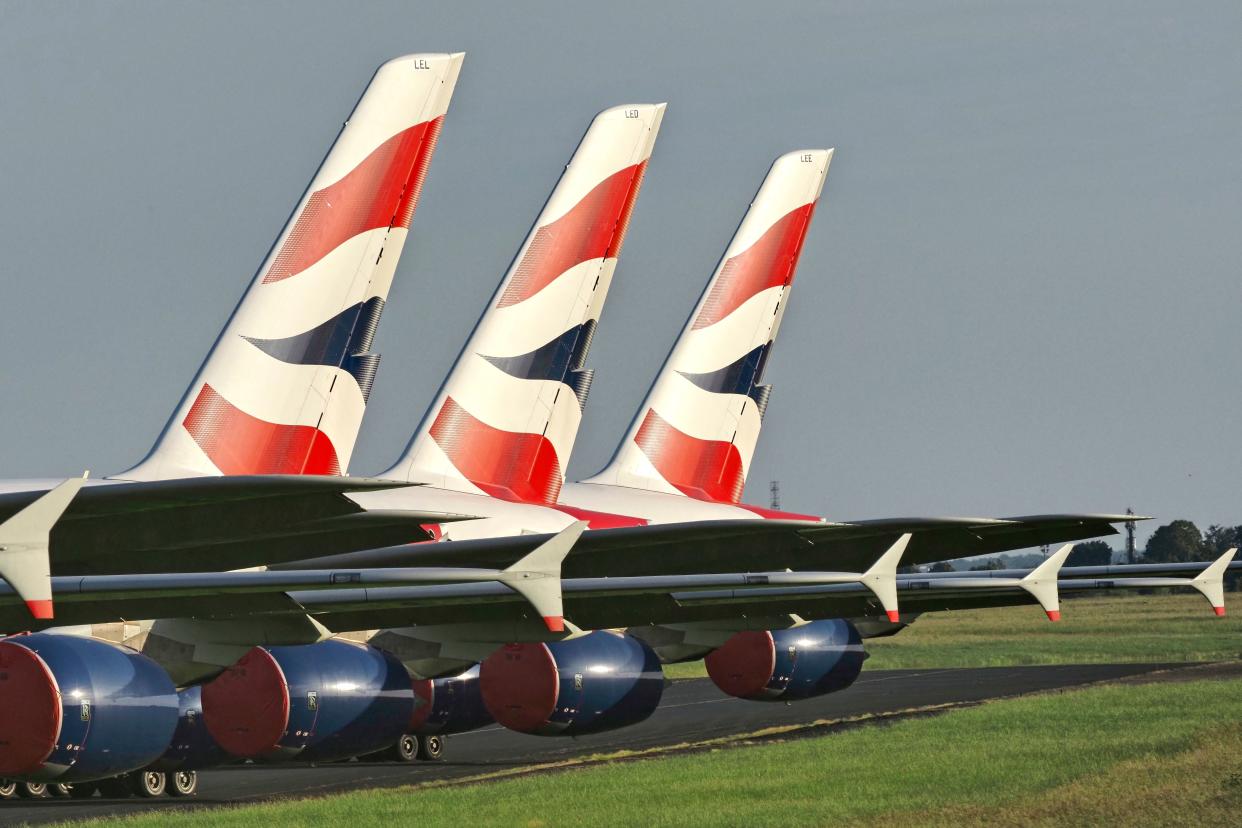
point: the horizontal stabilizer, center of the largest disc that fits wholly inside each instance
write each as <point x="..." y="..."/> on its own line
<point x="24" y="542"/>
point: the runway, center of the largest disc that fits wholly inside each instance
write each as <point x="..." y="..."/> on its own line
<point x="691" y="711"/>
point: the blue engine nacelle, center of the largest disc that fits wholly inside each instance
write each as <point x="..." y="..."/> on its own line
<point x="449" y="705"/>
<point x="786" y="665"/>
<point x="598" y="682"/>
<point x="74" y="709"/>
<point x="192" y="747"/>
<point x="315" y="703"/>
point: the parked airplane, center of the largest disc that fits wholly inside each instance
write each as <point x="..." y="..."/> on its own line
<point x="283" y="390"/>
<point x="490" y="458"/>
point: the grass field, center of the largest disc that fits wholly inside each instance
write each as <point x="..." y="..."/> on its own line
<point x="1112" y="629"/>
<point x="1157" y="754"/>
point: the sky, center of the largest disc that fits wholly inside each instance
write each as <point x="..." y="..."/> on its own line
<point x="1020" y="293"/>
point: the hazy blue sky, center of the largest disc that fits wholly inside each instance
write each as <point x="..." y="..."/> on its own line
<point x="1020" y="294"/>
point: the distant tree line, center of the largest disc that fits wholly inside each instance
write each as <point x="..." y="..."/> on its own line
<point x="1176" y="542"/>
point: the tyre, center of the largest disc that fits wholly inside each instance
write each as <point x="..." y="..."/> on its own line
<point x="60" y="790"/>
<point x="183" y="783"/>
<point x="148" y="783"/>
<point x="32" y="790"/>
<point x="83" y="790"/>
<point x="431" y="748"/>
<point x="405" y="750"/>
<point x="8" y="789"/>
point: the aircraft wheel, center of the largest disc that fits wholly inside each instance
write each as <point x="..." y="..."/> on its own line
<point x="32" y="790"/>
<point x="431" y="748"/>
<point x="184" y="783"/>
<point x="149" y="783"/>
<point x="83" y="790"/>
<point x="60" y="790"/>
<point x="406" y="749"/>
<point x="8" y="789"/>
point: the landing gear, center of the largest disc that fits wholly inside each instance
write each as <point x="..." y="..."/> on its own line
<point x="406" y="749"/>
<point x="183" y="783"/>
<point x="32" y="790"/>
<point x="431" y="748"/>
<point x="148" y="783"/>
<point x="60" y="790"/>
<point x="83" y="790"/>
<point x="8" y="789"/>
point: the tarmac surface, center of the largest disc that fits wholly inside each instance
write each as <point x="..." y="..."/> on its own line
<point x="691" y="711"/>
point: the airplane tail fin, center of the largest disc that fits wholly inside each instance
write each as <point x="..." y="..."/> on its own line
<point x="284" y="388"/>
<point x="24" y="543"/>
<point x="696" y="432"/>
<point x="506" y="418"/>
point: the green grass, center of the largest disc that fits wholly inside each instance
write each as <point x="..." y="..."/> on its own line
<point x="1125" y="628"/>
<point x="1153" y="754"/>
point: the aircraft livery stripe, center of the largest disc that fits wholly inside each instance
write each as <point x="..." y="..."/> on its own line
<point x="238" y="443"/>
<point x="702" y="469"/>
<point x="594" y="228"/>
<point x="769" y="262"/>
<point x="341" y="342"/>
<point x="506" y="464"/>
<point x="739" y="377"/>
<point x="382" y="191"/>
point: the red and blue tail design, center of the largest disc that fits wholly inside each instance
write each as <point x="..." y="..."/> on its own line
<point x="285" y="387"/>
<point x="696" y="432"/>
<point x="506" y="419"/>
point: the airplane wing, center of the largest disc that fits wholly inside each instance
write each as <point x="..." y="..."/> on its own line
<point x="216" y="523"/>
<point x="746" y="545"/>
<point x="346" y="598"/>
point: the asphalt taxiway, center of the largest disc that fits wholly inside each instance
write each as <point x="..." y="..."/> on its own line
<point x="692" y="711"/>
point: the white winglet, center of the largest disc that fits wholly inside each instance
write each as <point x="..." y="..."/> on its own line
<point x="537" y="577"/>
<point x="1041" y="582"/>
<point x="24" y="540"/>
<point x="881" y="578"/>
<point x="1211" y="581"/>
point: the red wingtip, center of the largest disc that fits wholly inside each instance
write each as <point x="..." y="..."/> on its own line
<point x="40" y="609"/>
<point x="1218" y="610"/>
<point x="894" y="616"/>
<point x="556" y="623"/>
<point x="1054" y="615"/>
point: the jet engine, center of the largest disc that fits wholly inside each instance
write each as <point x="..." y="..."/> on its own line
<point x="601" y="681"/>
<point x="800" y="662"/>
<point x="192" y="747"/>
<point x="314" y="703"/>
<point x="449" y="705"/>
<point x="74" y="709"/>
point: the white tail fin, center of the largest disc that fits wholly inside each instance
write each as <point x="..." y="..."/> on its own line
<point x="696" y="432"/>
<point x="505" y="420"/>
<point x="537" y="577"/>
<point x="24" y="541"/>
<point x="1211" y="581"/>
<point x="881" y="578"/>
<point x="284" y="389"/>
<point x="1041" y="582"/>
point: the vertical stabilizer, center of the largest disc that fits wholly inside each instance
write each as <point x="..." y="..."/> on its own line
<point x="696" y="432"/>
<point x="284" y="389"/>
<point x="505" y="420"/>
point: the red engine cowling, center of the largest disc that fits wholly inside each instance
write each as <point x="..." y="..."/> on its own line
<point x="598" y="682"/>
<point x="787" y="665"/>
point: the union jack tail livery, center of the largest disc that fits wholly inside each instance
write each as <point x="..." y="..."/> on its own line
<point x="285" y="387"/>
<point x="696" y="432"/>
<point x="505" y="420"/>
